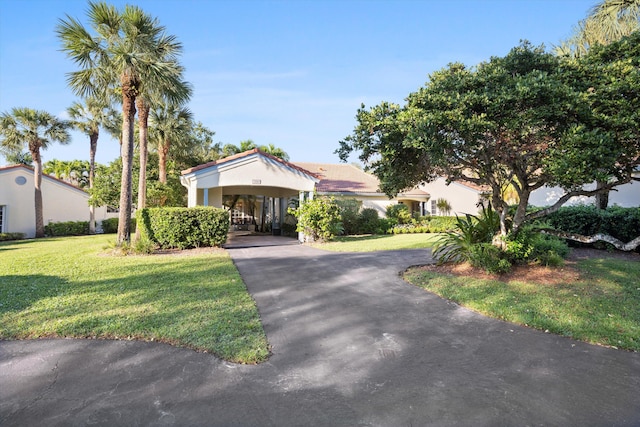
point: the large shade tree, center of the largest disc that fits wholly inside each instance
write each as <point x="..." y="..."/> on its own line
<point x="128" y="51"/>
<point x="607" y="22"/>
<point x="88" y="117"/>
<point x="518" y="121"/>
<point x="37" y="130"/>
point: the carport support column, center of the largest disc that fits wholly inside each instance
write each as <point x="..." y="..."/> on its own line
<point x="205" y="196"/>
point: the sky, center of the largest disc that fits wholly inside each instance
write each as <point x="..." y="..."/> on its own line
<point x="288" y="73"/>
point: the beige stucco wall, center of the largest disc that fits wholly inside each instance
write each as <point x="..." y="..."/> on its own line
<point x="463" y="199"/>
<point x="60" y="202"/>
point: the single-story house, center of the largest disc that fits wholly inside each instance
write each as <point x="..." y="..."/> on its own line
<point x="257" y="187"/>
<point x="61" y="201"/>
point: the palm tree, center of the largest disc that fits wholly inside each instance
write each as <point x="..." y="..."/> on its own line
<point x="38" y="130"/>
<point x="88" y="118"/>
<point x="607" y="22"/>
<point x="275" y="151"/>
<point x="129" y="51"/>
<point x="231" y="149"/>
<point x="171" y="126"/>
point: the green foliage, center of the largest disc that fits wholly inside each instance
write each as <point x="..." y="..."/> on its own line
<point x="67" y="228"/>
<point x="399" y="213"/>
<point x="489" y="258"/>
<point x="184" y="228"/>
<point x="110" y="225"/>
<point x="11" y="236"/>
<point x="428" y="224"/>
<point x="528" y="245"/>
<point x="319" y="218"/>
<point x="349" y="209"/>
<point x="368" y="222"/>
<point x="621" y="223"/>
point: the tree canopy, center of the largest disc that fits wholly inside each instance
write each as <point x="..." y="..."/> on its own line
<point x="525" y="120"/>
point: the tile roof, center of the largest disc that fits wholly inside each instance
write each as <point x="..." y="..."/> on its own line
<point x="341" y="178"/>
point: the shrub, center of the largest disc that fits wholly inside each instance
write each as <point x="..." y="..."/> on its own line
<point x="319" y="218"/>
<point x="621" y="223"/>
<point x="528" y="245"/>
<point x="11" y="236"/>
<point x="67" y="228"/>
<point x="110" y="225"/>
<point x="400" y="213"/>
<point x="368" y="221"/>
<point x="433" y="224"/>
<point x="489" y="258"/>
<point x="184" y="228"/>
<point x="349" y="209"/>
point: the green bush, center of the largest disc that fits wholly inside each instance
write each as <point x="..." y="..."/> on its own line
<point x="110" y="225"/>
<point x="319" y="218"/>
<point x="529" y="245"/>
<point x="368" y="221"/>
<point x="11" y="236"/>
<point x="621" y="223"/>
<point x="400" y="213"/>
<point x="349" y="209"/>
<point x="184" y="228"/>
<point x="67" y="228"/>
<point x="433" y="224"/>
<point x="489" y="258"/>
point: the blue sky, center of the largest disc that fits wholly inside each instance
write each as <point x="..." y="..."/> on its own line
<point x="288" y="73"/>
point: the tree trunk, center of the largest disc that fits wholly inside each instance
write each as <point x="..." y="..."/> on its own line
<point x="126" y="198"/>
<point x="37" y="180"/>
<point x="93" y="145"/>
<point x="163" y="150"/>
<point x="602" y="199"/>
<point x="143" y="121"/>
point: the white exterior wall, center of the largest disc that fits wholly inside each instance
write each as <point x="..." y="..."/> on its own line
<point x="626" y="196"/>
<point x="60" y="202"/>
<point x="463" y="199"/>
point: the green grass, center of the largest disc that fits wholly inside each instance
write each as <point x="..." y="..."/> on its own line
<point x="603" y="307"/>
<point x="383" y="242"/>
<point x="69" y="287"/>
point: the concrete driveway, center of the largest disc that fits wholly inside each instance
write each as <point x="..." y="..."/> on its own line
<point x="353" y="345"/>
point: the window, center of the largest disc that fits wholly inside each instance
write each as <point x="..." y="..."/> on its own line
<point x="2" y="218"/>
<point x="434" y="207"/>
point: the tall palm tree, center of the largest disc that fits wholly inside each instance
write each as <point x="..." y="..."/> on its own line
<point x="88" y="118"/>
<point x="129" y="51"/>
<point x="171" y="126"/>
<point x="607" y="22"/>
<point x="275" y="151"/>
<point x="38" y="130"/>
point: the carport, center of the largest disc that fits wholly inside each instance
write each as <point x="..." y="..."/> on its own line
<point x="271" y="181"/>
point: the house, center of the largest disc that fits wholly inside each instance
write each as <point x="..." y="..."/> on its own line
<point x="258" y="187"/>
<point x="626" y="195"/>
<point x="61" y="201"/>
<point x="462" y="197"/>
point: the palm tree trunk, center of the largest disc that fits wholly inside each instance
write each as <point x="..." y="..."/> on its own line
<point x="143" y="120"/>
<point x="163" y="150"/>
<point x="37" y="180"/>
<point x="93" y="145"/>
<point x="126" y="193"/>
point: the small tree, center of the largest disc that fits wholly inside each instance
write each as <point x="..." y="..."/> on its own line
<point x="443" y="206"/>
<point x="319" y="218"/>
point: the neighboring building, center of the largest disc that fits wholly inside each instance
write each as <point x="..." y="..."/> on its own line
<point x="626" y="195"/>
<point x="343" y="180"/>
<point x="463" y="197"/>
<point x="61" y="201"/>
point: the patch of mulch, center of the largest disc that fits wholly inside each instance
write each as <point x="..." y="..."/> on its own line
<point x="188" y="252"/>
<point x="534" y="273"/>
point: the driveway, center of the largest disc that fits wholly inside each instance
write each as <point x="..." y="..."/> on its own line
<point x="353" y="345"/>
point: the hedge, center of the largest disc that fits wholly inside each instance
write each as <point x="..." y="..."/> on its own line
<point x="11" y="236"/>
<point x="68" y="228"/>
<point x="621" y="223"/>
<point x="110" y="225"/>
<point x="184" y="228"/>
<point x="431" y="224"/>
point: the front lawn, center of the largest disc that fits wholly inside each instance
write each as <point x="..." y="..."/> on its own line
<point x="379" y="242"/>
<point x="599" y="305"/>
<point x="70" y="287"/>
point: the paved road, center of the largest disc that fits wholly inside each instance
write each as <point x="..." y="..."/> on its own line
<point x="353" y="345"/>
